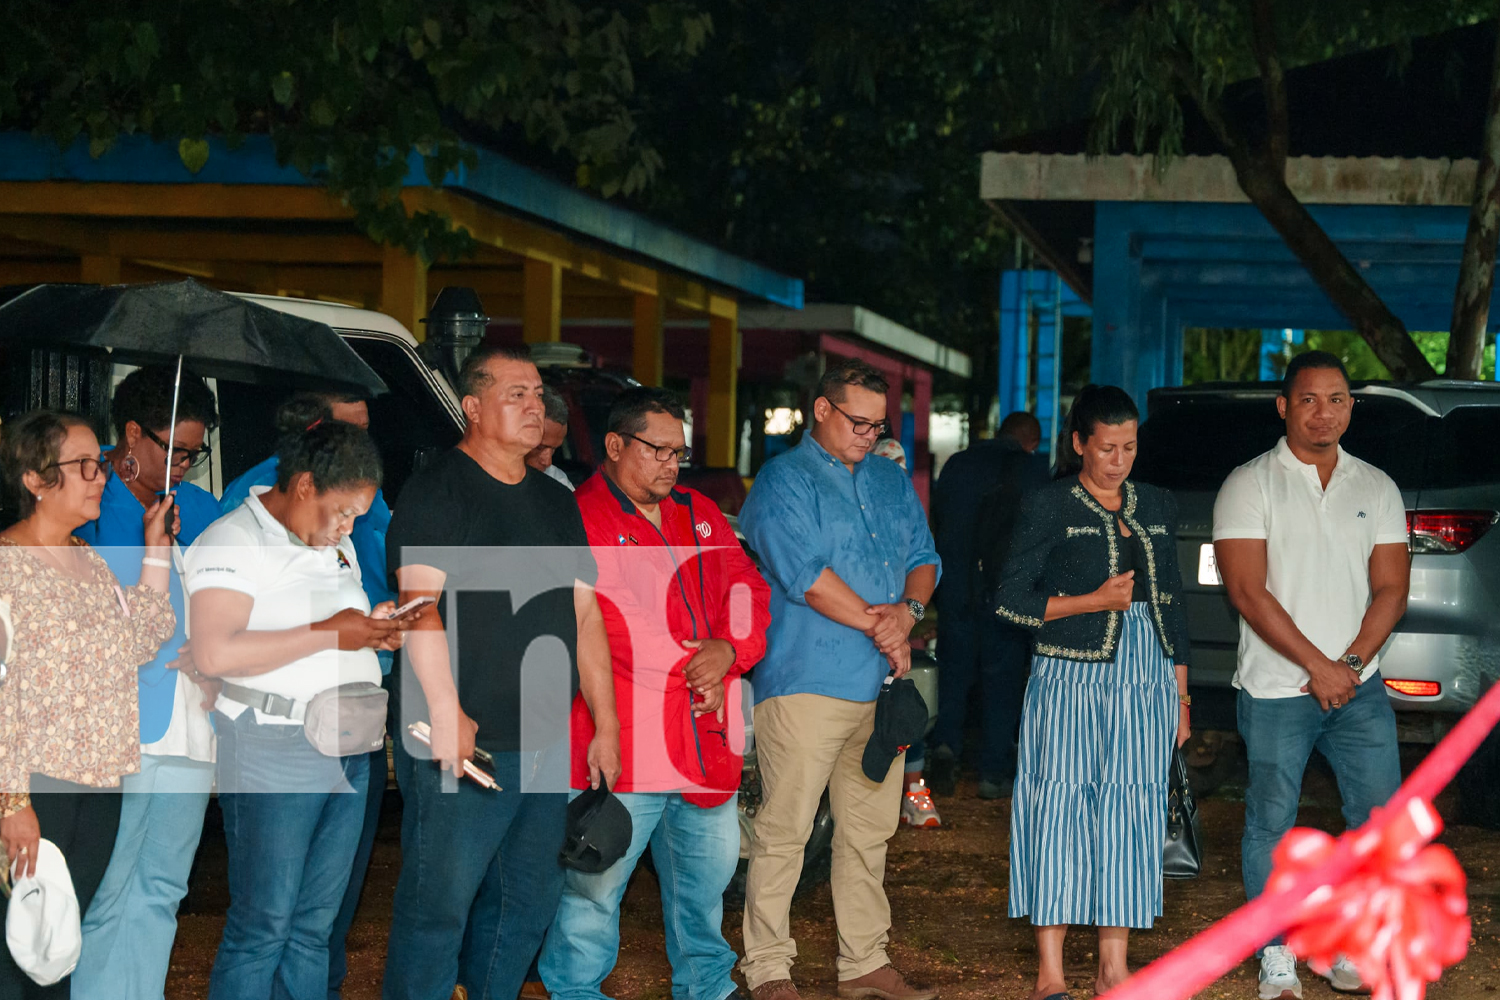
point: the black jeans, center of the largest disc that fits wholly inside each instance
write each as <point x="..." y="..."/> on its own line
<point x="996" y="656"/>
<point x="82" y="822"/>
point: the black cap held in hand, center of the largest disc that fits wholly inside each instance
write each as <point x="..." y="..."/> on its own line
<point x="900" y="721"/>
<point x="599" y="831"/>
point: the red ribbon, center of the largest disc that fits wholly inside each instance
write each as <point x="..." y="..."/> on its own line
<point x="1400" y="916"/>
<point x="1379" y="895"/>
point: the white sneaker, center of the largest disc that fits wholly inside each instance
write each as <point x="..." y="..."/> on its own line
<point x="917" y="808"/>
<point x="1344" y="977"/>
<point x="1278" y="974"/>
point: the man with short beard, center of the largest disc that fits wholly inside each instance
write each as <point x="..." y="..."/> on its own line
<point x="1311" y="543"/>
<point x="845" y="545"/>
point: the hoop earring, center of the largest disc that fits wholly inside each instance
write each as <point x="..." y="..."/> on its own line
<point x="130" y="467"/>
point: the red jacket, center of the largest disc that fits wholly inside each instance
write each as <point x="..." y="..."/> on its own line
<point x="690" y="580"/>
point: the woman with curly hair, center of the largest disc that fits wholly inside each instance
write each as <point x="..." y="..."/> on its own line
<point x="69" y="716"/>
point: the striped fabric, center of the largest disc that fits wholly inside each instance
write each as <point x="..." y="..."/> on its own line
<point x="1088" y="817"/>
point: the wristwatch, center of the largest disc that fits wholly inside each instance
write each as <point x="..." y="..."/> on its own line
<point x="1354" y="661"/>
<point x="917" y="608"/>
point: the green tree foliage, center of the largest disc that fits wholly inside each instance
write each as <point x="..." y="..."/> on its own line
<point x="840" y="141"/>
<point x="1154" y="59"/>
<point x="348" y="88"/>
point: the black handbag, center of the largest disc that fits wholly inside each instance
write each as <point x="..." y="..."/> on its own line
<point x="1183" y="855"/>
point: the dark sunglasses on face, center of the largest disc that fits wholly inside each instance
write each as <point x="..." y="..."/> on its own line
<point x="191" y="456"/>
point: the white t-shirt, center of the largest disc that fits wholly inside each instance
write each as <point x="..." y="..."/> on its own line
<point x="1318" y="546"/>
<point x="293" y="585"/>
<point x="559" y="475"/>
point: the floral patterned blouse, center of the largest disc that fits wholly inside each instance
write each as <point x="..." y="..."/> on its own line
<point x="68" y="703"/>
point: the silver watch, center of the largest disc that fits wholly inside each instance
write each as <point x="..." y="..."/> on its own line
<point x="1354" y="661"/>
<point x="917" y="609"/>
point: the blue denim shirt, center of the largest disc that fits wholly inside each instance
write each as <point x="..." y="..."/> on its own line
<point x="368" y="535"/>
<point x="807" y="513"/>
<point x="119" y="533"/>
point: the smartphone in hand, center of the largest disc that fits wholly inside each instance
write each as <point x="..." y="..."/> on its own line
<point x="411" y="608"/>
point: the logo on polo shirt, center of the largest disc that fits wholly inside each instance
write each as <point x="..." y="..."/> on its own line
<point x="1360" y="514"/>
<point x="704" y="529"/>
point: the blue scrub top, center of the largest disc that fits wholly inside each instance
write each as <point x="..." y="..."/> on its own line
<point x="119" y="535"/>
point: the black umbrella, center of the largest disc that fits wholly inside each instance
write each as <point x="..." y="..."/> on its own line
<point x="223" y="336"/>
<point x="220" y="335"/>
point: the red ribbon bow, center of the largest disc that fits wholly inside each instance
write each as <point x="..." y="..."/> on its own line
<point x="1401" y="917"/>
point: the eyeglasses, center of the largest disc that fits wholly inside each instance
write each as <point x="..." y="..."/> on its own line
<point x="862" y="427"/>
<point x="89" y="468"/>
<point x="192" y="456"/>
<point x="665" y="451"/>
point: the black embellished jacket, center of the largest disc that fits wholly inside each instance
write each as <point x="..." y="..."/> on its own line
<point x="1066" y="544"/>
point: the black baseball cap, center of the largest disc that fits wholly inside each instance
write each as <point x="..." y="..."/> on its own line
<point x="900" y="721"/>
<point x="599" y="831"/>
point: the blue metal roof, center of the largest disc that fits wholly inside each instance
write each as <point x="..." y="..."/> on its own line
<point x="495" y="178"/>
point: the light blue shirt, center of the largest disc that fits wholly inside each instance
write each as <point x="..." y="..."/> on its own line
<point x="368" y="535"/>
<point x="119" y="534"/>
<point x="807" y="513"/>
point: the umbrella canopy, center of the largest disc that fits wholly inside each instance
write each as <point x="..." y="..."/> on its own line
<point x="219" y="335"/>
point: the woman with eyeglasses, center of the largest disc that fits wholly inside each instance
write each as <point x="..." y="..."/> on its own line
<point x="69" y="716"/>
<point x="128" y="932"/>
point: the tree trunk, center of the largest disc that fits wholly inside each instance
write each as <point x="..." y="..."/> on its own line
<point x="1262" y="176"/>
<point x="1476" y="274"/>
<point x="1353" y="296"/>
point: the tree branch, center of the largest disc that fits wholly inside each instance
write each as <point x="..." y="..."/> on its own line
<point x="1264" y="182"/>
<point x="1272" y="81"/>
<point x="1476" y="272"/>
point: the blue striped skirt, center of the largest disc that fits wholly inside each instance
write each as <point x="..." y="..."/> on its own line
<point x="1088" y="817"/>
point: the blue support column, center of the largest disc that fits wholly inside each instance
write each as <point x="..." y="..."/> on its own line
<point x="1032" y="306"/>
<point x="1273" y="344"/>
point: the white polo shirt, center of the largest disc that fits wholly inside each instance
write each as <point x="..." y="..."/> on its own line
<point x="293" y="585"/>
<point x="1318" y="546"/>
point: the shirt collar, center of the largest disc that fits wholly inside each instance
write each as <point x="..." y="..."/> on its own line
<point x="263" y="517"/>
<point x="1287" y="458"/>
<point x="823" y="456"/>
<point x="627" y="505"/>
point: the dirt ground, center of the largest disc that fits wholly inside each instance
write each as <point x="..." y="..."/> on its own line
<point x="948" y="892"/>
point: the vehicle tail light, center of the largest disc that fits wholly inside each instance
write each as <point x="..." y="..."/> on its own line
<point x="1415" y="689"/>
<point x="1446" y="530"/>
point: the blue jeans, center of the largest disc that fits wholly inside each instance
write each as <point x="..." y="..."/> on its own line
<point x="338" y="956"/>
<point x="132" y="922"/>
<point x="997" y="656"/>
<point x="479" y="881"/>
<point x="292" y="819"/>
<point x="696" y="851"/>
<point x="1359" y="741"/>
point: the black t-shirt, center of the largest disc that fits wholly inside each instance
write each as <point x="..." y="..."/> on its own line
<point x="514" y="609"/>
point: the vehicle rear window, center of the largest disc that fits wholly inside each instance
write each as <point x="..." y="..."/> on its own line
<point x="1194" y="444"/>
<point x="1464" y="452"/>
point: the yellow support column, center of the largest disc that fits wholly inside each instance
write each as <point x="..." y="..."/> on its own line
<point x="648" y="339"/>
<point x="403" y="289"/>
<point x="99" y="270"/>
<point x="541" y="302"/>
<point x="723" y="378"/>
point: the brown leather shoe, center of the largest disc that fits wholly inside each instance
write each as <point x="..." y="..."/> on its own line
<point x="532" y="990"/>
<point x="776" y="989"/>
<point x="885" y="983"/>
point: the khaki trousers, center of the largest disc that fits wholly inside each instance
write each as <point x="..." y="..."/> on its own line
<point x="805" y="743"/>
